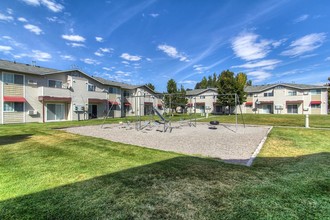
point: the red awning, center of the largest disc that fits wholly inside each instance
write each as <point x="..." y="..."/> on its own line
<point x="97" y="100"/>
<point x="55" y="99"/>
<point x="315" y="102"/>
<point x="114" y="103"/>
<point x="159" y="105"/>
<point x="14" y="99"/>
<point x="189" y="104"/>
<point x="248" y="103"/>
<point x="266" y="102"/>
<point x="127" y="104"/>
<point x="200" y="103"/>
<point x="148" y="103"/>
<point x="294" y="102"/>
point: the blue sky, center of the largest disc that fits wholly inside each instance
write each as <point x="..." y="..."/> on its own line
<point x="138" y="42"/>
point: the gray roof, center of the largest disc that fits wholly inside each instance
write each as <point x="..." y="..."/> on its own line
<point x="260" y="88"/>
<point x="200" y="91"/>
<point x="25" y="68"/>
<point x="117" y="84"/>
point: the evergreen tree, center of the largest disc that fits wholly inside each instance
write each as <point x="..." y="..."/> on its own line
<point x="170" y="98"/>
<point x="241" y="80"/>
<point x="203" y="83"/>
<point x="226" y="89"/>
<point x="150" y="86"/>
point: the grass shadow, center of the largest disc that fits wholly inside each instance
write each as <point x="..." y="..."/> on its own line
<point x="12" y="139"/>
<point x="186" y="188"/>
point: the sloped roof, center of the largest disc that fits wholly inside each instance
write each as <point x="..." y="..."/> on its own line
<point x="25" y="68"/>
<point x="200" y="91"/>
<point x="260" y="88"/>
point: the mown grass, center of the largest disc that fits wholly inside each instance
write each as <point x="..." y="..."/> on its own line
<point x="50" y="174"/>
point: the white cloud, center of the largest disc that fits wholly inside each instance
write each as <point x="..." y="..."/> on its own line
<point x="129" y="57"/>
<point x="278" y="43"/>
<point x="125" y="62"/>
<point x="55" y="19"/>
<point x="68" y="57"/>
<point x="21" y="19"/>
<point x="189" y="82"/>
<point x="5" y="49"/>
<point x="4" y="17"/>
<point x="258" y="76"/>
<point x="154" y="15"/>
<point x="10" y="11"/>
<point x="99" y="39"/>
<point x="148" y="59"/>
<point x="199" y="68"/>
<point x="173" y="52"/>
<point x="100" y="52"/>
<point x="90" y="61"/>
<point x="263" y="64"/>
<point x="75" y="44"/>
<point x="36" y="55"/>
<point x="11" y="41"/>
<point x="301" y="18"/>
<point x="50" y="4"/>
<point x="247" y="46"/>
<point x="121" y="73"/>
<point x="305" y="44"/>
<point x="33" y="28"/>
<point x="327" y="59"/>
<point x="76" y="38"/>
<point x="108" y="68"/>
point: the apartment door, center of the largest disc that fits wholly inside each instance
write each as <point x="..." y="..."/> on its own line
<point x="268" y="109"/>
<point x="292" y="109"/>
<point x="148" y="109"/>
<point x="55" y="112"/>
<point x="92" y="111"/>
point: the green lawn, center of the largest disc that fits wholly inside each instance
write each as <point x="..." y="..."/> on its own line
<point x="50" y="174"/>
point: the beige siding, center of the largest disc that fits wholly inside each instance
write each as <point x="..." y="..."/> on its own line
<point x="13" y="117"/>
<point x="1" y="95"/>
<point x="316" y="111"/>
<point x="13" y="90"/>
<point x="316" y="97"/>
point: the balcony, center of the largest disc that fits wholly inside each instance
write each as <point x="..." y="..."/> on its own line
<point x="53" y="92"/>
<point x="96" y="95"/>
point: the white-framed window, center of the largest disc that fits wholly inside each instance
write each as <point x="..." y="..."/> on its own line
<point x="315" y="105"/>
<point x="292" y="93"/>
<point x="55" y="83"/>
<point x="316" y="91"/>
<point x="202" y="97"/>
<point x="268" y="94"/>
<point x="13" y="107"/>
<point x="292" y="109"/>
<point x="13" y="78"/>
<point x="91" y="87"/>
<point x="113" y="90"/>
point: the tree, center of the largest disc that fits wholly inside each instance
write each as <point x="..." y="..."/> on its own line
<point x="171" y="90"/>
<point x="150" y="86"/>
<point x="241" y="79"/>
<point x="328" y="84"/>
<point x="204" y="83"/>
<point x="227" y="86"/>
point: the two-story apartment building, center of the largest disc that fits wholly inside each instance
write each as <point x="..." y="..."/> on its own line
<point x="36" y="94"/>
<point x="286" y="98"/>
<point x="203" y="101"/>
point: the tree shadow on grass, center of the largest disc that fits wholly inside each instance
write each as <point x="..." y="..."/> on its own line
<point x="12" y="139"/>
<point x="179" y="188"/>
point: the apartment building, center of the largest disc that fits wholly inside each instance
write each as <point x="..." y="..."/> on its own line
<point x="203" y="101"/>
<point x="286" y="98"/>
<point x="30" y="93"/>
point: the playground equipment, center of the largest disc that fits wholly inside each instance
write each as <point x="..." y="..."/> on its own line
<point x="109" y="111"/>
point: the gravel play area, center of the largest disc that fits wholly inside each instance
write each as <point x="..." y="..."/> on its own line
<point x="224" y="142"/>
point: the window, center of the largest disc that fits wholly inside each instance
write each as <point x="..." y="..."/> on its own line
<point x="91" y="87"/>
<point x="55" y="112"/>
<point x="13" y="107"/>
<point x="126" y="93"/>
<point x="315" y="105"/>
<point x="13" y="78"/>
<point x="292" y="93"/>
<point x="292" y="109"/>
<point x="267" y="94"/>
<point x="113" y="90"/>
<point x="316" y="91"/>
<point x="54" y="83"/>
<point x="250" y="94"/>
<point x="202" y="97"/>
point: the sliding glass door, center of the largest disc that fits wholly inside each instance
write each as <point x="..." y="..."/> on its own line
<point x="55" y="112"/>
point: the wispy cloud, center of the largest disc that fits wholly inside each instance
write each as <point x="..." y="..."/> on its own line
<point x="248" y="46"/>
<point x="327" y="59"/>
<point x="33" y="28"/>
<point x="35" y="55"/>
<point x="90" y="61"/>
<point x="21" y="19"/>
<point x="101" y="51"/>
<point x="76" y="38"/>
<point x="125" y="62"/>
<point x="301" y="18"/>
<point x="188" y="82"/>
<point x="75" y="45"/>
<point x="68" y="57"/>
<point x="129" y="57"/>
<point x="259" y="75"/>
<point x="154" y="15"/>
<point x="5" y="49"/>
<point x="109" y="68"/>
<point x="55" y="19"/>
<point x="99" y="39"/>
<point x="50" y="4"/>
<point x="305" y="44"/>
<point x="7" y="18"/>
<point x="10" y="11"/>
<point x="173" y="52"/>
<point x="263" y="64"/>
<point x="199" y="68"/>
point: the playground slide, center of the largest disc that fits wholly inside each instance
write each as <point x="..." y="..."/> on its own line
<point x="158" y="113"/>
